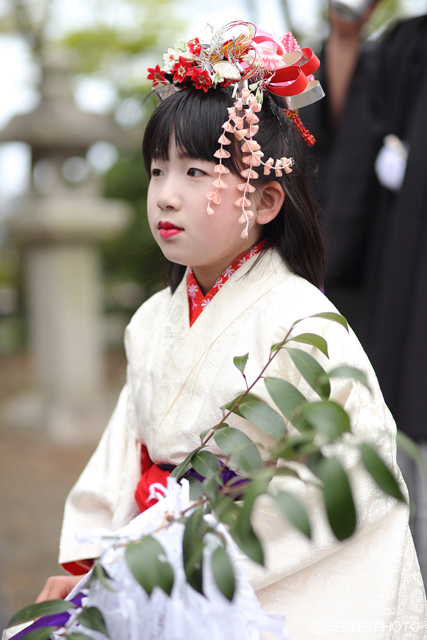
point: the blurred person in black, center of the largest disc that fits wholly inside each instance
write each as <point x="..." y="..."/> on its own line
<point x="371" y="180"/>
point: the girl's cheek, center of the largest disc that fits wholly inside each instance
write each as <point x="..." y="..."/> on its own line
<point x="151" y="224"/>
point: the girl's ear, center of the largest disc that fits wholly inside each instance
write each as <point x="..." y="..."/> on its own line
<point x="271" y="197"/>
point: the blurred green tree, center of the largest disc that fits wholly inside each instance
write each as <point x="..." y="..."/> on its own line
<point x="133" y="255"/>
<point x="119" y="28"/>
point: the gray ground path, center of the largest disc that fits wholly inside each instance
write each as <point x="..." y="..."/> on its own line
<point x="35" y="477"/>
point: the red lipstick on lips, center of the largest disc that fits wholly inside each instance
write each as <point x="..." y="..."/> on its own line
<point x="167" y="229"/>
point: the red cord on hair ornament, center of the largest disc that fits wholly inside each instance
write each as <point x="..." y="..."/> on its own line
<point x="293" y="115"/>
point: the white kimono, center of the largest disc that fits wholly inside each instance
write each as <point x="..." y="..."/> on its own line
<point x="367" y="588"/>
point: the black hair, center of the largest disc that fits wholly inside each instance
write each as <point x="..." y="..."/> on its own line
<point x="194" y="118"/>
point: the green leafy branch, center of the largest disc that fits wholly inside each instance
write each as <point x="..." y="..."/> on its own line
<point x="242" y="400"/>
<point x="316" y="423"/>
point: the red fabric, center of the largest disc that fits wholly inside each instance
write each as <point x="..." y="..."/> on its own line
<point x="79" y="567"/>
<point x="146" y="461"/>
<point x="151" y="475"/>
<point x="196" y="300"/>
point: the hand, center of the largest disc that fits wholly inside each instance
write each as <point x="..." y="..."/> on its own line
<point x="58" y="587"/>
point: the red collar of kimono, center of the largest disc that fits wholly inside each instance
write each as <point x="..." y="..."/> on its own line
<point x="196" y="300"/>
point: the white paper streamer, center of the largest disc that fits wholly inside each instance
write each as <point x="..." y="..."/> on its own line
<point x="184" y="615"/>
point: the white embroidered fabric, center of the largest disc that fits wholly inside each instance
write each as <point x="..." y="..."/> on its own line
<point x="178" y="377"/>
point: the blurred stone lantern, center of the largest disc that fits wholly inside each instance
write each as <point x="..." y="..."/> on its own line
<point x="56" y="227"/>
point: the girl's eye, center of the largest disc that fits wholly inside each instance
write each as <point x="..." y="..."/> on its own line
<point x="155" y="173"/>
<point x="195" y="173"/>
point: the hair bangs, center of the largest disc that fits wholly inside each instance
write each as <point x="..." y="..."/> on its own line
<point x="193" y="119"/>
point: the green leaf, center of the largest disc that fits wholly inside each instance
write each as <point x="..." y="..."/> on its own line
<point x="413" y="451"/>
<point x="314" y="462"/>
<point x="234" y="404"/>
<point x="285" y="395"/>
<point x="263" y="417"/>
<point x="227" y="510"/>
<point x="239" y="448"/>
<point x="256" y="487"/>
<point x="240" y="362"/>
<point x="380" y="472"/>
<point x="246" y="538"/>
<point x="92" y="618"/>
<point x="328" y="315"/>
<point x="296" y="446"/>
<point x="277" y="346"/>
<point x="196" y="488"/>
<point x="99" y="573"/>
<point x="77" y="636"/>
<point x="192" y="548"/>
<point x="327" y="417"/>
<point x="223" y="573"/>
<point x="338" y="497"/>
<point x="312" y="339"/>
<point x="311" y="370"/>
<point x="349" y="372"/>
<point x="211" y="486"/>
<point x="185" y="465"/>
<point x="42" y="633"/>
<point x="206" y="463"/>
<point x="48" y="608"/>
<point x="294" y="511"/>
<point x="143" y="559"/>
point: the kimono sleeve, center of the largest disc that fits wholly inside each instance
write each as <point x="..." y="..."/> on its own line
<point x="104" y="494"/>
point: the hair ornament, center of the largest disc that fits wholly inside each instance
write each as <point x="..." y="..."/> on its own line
<point x="292" y="114"/>
<point x="244" y="128"/>
<point x="233" y="55"/>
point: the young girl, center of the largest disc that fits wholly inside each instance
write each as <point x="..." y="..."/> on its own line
<point x="229" y="207"/>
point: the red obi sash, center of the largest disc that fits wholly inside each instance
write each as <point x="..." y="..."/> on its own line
<point x="152" y="475"/>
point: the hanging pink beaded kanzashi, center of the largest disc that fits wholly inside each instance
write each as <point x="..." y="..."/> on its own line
<point x="244" y="128"/>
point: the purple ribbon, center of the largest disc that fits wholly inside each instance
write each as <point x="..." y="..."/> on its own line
<point x="56" y="619"/>
<point x="226" y="474"/>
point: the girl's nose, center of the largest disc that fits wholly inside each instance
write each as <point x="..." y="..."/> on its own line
<point x="169" y="197"/>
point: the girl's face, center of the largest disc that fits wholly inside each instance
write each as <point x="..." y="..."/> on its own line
<point x="179" y="221"/>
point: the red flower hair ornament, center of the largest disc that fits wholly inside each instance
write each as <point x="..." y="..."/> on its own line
<point x="157" y="76"/>
<point x="237" y="53"/>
